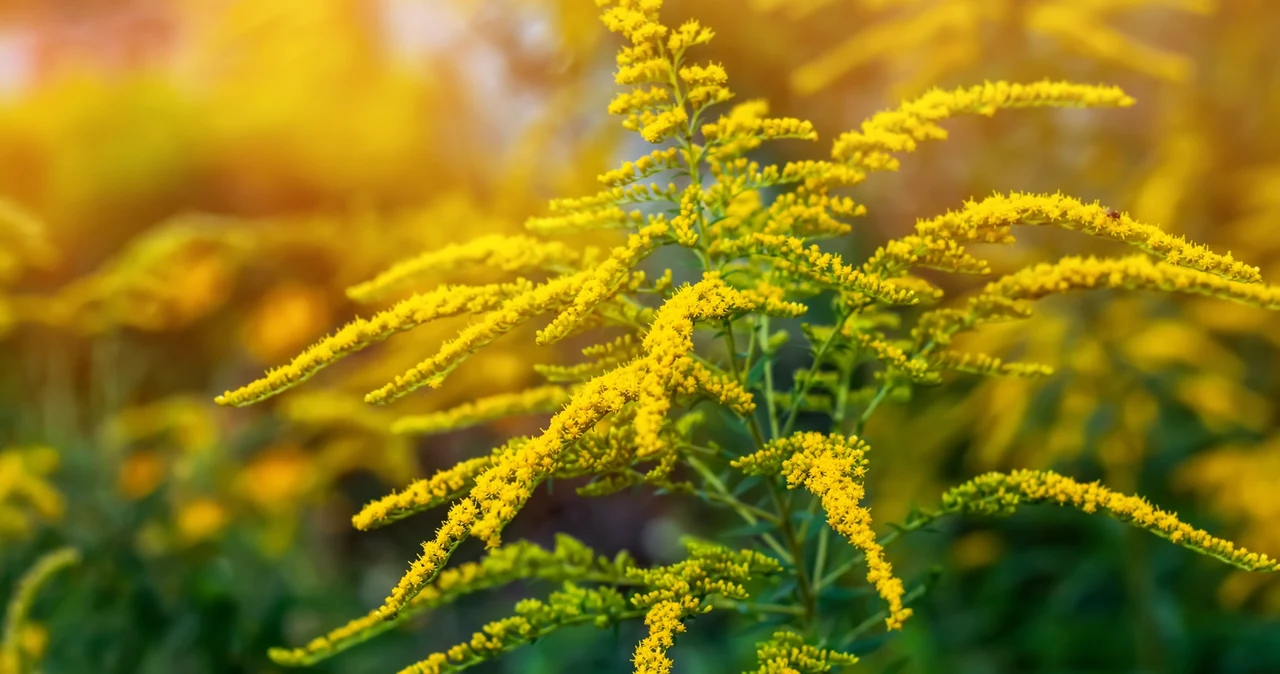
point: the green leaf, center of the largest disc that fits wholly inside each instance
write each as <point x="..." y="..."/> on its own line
<point x="746" y="484"/>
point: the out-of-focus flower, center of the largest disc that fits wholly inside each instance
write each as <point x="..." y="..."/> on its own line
<point x="199" y="520"/>
<point x="140" y="474"/>
<point x="27" y="497"/>
<point x="276" y="479"/>
<point x="286" y="318"/>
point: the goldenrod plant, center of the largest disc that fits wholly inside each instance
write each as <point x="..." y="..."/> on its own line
<point x="682" y="392"/>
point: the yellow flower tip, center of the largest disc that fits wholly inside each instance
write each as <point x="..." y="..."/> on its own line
<point x="1000" y="493"/>
<point x="498" y="251"/>
<point x="362" y="333"/>
<point x="664" y="620"/>
<point x="886" y="133"/>
<point x="536" y="400"/>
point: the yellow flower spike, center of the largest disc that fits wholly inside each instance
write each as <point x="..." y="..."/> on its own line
<point x="599" y="285"/>
<point x="13" y="658"/>
<point x="501" y="490"/>
<point x="629" y="102"/>
<point x="665" y="621"/>
<point x="361" y="333"/>
<point x="698" y="378"/>
<point x="539" y="400"/>
<point x="443" y="487"/>
<point x="435" y="553"/>
<point x="504" y="488"/>
<point x="786" y="653"/>
<point x="873" y="146"/>
<point x="1135" y="272"/>
<point x="569" y="561"/>
<point x="684" y="225"/>
<point x="676" y="592"/>
<point x="659" y="160"/>
<point x="984" y="364"/>
<point x="746" y="127"/>
<point x="571" y="605"/>
<point x="990" y="219"/>
<point x="895" y="357"/>
<point x="604" y="357"/>
<point x="666" y="346"/>
<point x="811" y="262"/>
<point x="805" y="214"/>
<point x="832" y="467"/>
<point x="604" y="217"/>
<point x="1006" y="298"/>
<point x="513" y="312"/>
<point x="502" y="252"/>
<point x="1000" y="493"/>
<point x="605" y="201"/>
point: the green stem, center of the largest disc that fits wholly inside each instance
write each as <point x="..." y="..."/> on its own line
<point x="723" y="495"/>
<point x="733" y="605"/>
<point x="794" y="411"/>
<point x="871" y="408"/>
<point x="747" y="513"/>
<point x="804" y="587"/>
<point x="885" y="540"/>
<point x="879" y="617"/>
<point x="820" y="559"/>
<point x="762" y="335"/>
